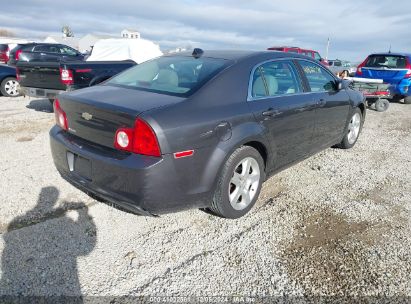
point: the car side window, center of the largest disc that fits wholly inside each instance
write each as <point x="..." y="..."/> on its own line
<point x="318" y="78"/>
<point x="40" y="48"/>
<point x="317" y="56"/>
<point x="67" y="51"/>
<point x="275" y="78"/>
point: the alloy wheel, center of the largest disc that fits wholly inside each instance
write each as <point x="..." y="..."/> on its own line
<point x="12" y="88"/>
<point x="244" y="183"/>
<point x="354" y="128"/>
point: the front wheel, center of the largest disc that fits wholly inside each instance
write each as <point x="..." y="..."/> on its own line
<point x="239" y="184"/>
<point x="353" y="130"/>
<point x="10" y="87"/>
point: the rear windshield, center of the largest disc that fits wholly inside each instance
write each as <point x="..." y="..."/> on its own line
<point x="386" y="61"/>
<point x="173" y="75"/>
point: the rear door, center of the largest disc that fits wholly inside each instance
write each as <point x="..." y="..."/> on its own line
<point x="278" y="101"/>
<point x="391" y="68"/>
<point x="332" y="105"/>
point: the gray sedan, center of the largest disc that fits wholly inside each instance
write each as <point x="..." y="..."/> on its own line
<point x="201" y="130"/>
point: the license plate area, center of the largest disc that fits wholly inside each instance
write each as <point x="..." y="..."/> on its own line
<point x="79" y="165"/>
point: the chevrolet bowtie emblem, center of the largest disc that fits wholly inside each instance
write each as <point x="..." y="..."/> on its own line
<point x="87" y="116"/>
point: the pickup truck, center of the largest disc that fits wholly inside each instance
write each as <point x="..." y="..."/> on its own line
<point x="48" y="79"/>
<point x="108" y="58"/>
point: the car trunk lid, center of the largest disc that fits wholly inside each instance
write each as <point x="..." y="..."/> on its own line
<point x="96" y="113"/>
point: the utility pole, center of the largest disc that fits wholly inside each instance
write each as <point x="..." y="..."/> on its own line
<point x="328" y="47"/>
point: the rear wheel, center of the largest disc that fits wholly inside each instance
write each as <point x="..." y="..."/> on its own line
<point x="381" y="105"/>
<point x="407" y="100"/>
<point x="353" y="130"/>
<point x="239" y="183"/>
<point x="10" y="87"/>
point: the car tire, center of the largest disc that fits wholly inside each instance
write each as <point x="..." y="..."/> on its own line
<point x="10" y="87"/>
<point x="238" y="189"/>
<point x="381" y="105"/>
<point x="353" y="130"/>
<point x="407" y="100"/>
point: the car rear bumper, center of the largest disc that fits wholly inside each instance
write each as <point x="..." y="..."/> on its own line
<point x="402" y="88"/>
<point x="140" y="184"/>
<point x="40" y="93"/>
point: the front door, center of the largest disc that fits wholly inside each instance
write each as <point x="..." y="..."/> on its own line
<point x="286" y="112"/>
<point x="333" y="105"/>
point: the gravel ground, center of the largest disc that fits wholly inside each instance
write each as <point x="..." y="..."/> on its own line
<point x="337" y="224"/>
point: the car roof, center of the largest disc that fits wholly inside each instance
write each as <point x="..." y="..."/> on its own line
<point x="236" y="55"/>
<point x="391" y="54"/>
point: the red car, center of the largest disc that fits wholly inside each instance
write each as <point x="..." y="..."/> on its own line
<point x="293" y="49"/>
<point x="4" y="53"/>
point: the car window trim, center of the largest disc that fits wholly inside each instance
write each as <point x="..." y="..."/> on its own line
<point x="321" y="67"/>
<point x="258" y="65"/>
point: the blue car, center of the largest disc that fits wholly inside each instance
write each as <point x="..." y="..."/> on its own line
<point x="393" y="68"/>
<point x="9" y="86"/>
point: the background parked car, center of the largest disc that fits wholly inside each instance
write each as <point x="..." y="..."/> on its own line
<point x="340" y="67"/>
<point x="392" y="68"/>
<point x="109" y="57"/>
<point x="43" y="52"/>
<point x="8" y="83"/>
<point x="292" y="49"/>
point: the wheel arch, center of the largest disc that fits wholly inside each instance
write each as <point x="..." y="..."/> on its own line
<point x="249" y="134"/>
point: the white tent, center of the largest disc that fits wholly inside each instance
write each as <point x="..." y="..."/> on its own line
<point x="138" y="50"/>
<point x="70" y="41"/>
<point x="88" y="41"/>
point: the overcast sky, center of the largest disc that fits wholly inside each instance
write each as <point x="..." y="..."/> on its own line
<point x="355" y="27"/>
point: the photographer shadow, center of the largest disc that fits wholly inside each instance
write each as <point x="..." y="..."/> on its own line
<point x="41" y="250"/>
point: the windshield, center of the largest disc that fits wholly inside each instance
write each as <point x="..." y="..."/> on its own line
<point x="174" y="75"/>
<point x="386" y="61"/>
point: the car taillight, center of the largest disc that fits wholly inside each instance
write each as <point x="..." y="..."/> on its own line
<point x="61" y="117"/>
<point x="66" y="76"/>
<point x="18" y="74"/>
<point x="140" y="139"/>
<point x="359" y="68"/>
<point x="17" y="54"/>
<point x="408" y="74"/>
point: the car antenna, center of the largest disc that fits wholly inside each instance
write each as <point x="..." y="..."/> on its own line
<point x="389" y="51"/>
<point x="197" y="53"/>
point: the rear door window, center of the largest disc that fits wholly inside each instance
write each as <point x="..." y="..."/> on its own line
<point x="275" y="78"/>
<point x="318" y="78"/>
<point x="386" y="61"/>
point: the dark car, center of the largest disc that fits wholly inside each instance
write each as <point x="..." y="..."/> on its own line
<point x="43" y="52"/>
<point x="9" y="85"/>
<point x="202" y="130"/>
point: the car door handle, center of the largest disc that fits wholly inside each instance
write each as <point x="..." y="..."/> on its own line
<point x="271" y="112"/>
